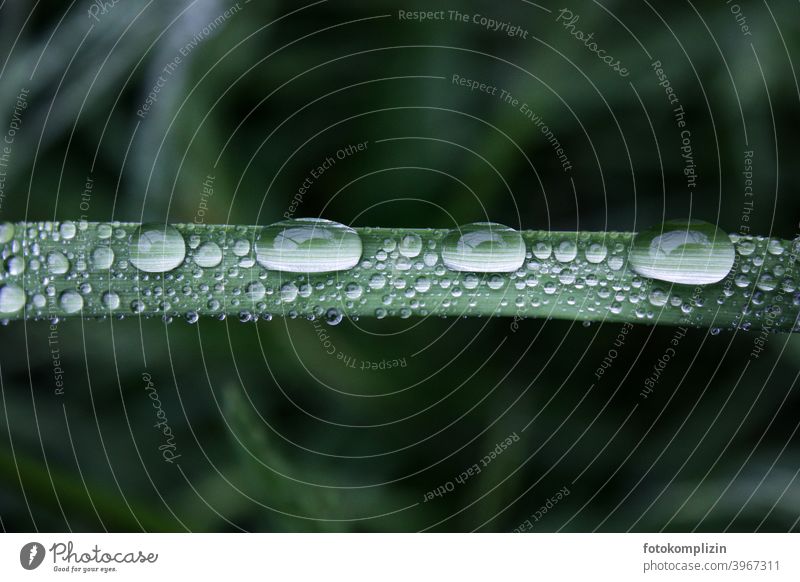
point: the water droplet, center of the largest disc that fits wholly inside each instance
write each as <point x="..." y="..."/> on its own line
<point x="15" y="265"/>
<point x="6" y="232"/>
<point x="566" y="251"/>
<point x="208" y="255"/>
<point x="484" y="247"/>
<point x="596" y="253"/>
<point x="70" y="301"/>
<point x="658" y="297"/>
<point x="682" y="251"/>
<point x="410" y="245"/>
<point x="255" y="291"/>
<point x="542" y="250"/>
<point x="67" y="230"/>
<point x="12" y="299"/>
<point x="766" y="282"/>
<point x="377" y="281"/>
<point x="104" y="231"/>
<point x="57" y="263"/>
<point x="308" y="245"/>
<point x="289" y="292"/>
<point x="102" y="258"/>
<point x="333" y="316"/>
<point x="157" y="248"/>
<point x="241" y="247"/>
<point x="110" y="300"/>
<point x="353" y="291"/>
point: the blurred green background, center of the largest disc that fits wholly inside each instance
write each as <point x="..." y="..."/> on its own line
<point x="277" y="433"/>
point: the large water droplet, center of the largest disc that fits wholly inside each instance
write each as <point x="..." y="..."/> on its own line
<point x="689" y="252"/>
<point x="70" y="301"/>
<point x="308" y="245"/>
<point x="12" y="299"/>
<point x="483" y="247"/>
<point x="157" y="248"/>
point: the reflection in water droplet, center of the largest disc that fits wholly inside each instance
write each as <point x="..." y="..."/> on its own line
<point x="157" y="248"/>
<point x="483" y="247"/>
<point x="682" y="251"/>
<point x="308" y="245"/>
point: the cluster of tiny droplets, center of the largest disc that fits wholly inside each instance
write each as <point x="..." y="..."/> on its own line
<point x="116" y="269"/>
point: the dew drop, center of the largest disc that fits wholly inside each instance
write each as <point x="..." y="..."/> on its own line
<point x="289" y="292"/>
<point x="102" y="258"/>
<point x="255" y="291"/>
<point x="57" y="263"/>
<point x="483" y="247"/>
<point x="542" y="250"/>
<point x="566" y="251"/>
<point x="333" y="316"/>
<point x="68" y="230"/>
<point x="70" y="301"/>
<point x="308" y="245"/>
<point x="12" y="299"/>
<point x="596" y="253"/>
<point x="157" y="248"/>
<point x="110" y="300"/>
<point x="208" y="255"/>
<point x="410" y="245"/>
<point x="6" y="232"/>
<point x="15" y="266"/>
<point x="688" y="252"/>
